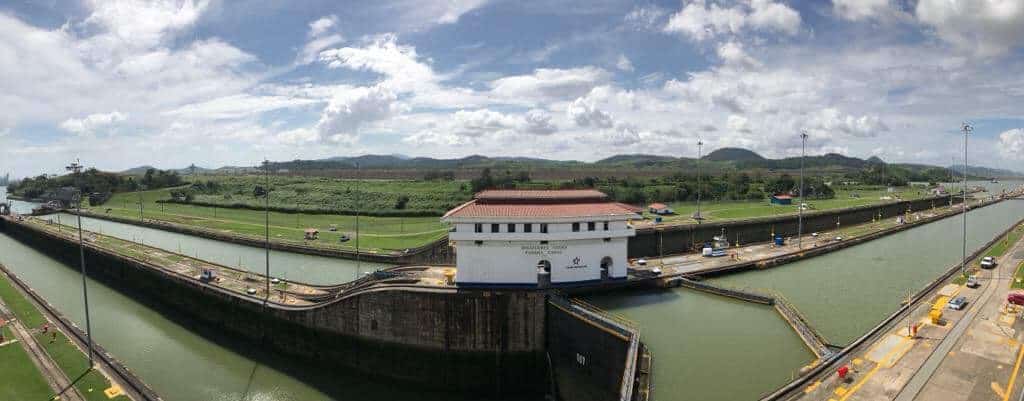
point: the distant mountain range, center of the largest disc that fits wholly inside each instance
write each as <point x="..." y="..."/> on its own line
<point x="724" y="159"/>
<point x="980" y="171"/>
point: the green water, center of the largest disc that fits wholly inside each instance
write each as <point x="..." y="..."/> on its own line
<point x="846" y="293"/>
<point x="290" y="266"/>
<point x="708" y="347"/>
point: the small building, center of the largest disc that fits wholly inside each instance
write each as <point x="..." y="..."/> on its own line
<point x="533" y="237"/>
<point x="660" y="209"/>
<point x="312" y="233"/>
<point x="781" y="199"/>
<point x="939" y="191"/>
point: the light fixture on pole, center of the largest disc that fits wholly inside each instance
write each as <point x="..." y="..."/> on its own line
<point x="800" y="205"/>
<point x="266" y="216"/>
<point x="697" y="216"/>
<point x="966" y="129"/>
<point x="76" y="169"/>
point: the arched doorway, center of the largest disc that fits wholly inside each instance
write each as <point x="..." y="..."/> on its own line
<point x="543" y="273"/>
<point x="606" y="266"/>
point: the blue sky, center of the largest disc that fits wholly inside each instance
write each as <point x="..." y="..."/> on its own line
<point x="173" y="82"/>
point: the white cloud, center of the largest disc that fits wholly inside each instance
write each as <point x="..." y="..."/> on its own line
<point x="646" y="17"/>
<point x="319" y="27"/>
<point x="1011" y="144"/>
<point x="383" y="55"/>
<point x="349" y="110"/>
<point x="982" y="27"/>
<point x="550" y="83"/>
<point x="700" y="20"/>
<point x="732" y="54"/>
<point x="856" y="10"/>
<point x="583" y="112"/>
<point x="831" y="120"/>
<point x="238" y="106"/>
<point x="417" y="15"/>
<point x="624" y="64"/>
<point x="93" y="122"/>
<point x="738" y="124"/>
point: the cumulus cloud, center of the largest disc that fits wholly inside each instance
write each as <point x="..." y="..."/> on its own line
<point x="550" y="83"/>
<point x="322" y="25"/>
<point x="855" y="10"/>
<point x="1011" y="144"/>
<point x="349" y="110"/>
<point x="383" y="54"/>
<point x="831" y="120"/>
<point x="623" y="63"/>
<point x="701" y="20"/>
<point x="93" y="122"/>
<point x="583" y="112"/>
<point x="985" y="28"/>
<point x="320" y="37"/>
<point x="647" y="17"/>
<point x="732" y="54"/>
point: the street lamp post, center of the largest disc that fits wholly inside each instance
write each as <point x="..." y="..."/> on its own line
<point x="700" y="145"/>
<point x="966" y="129"/>
<point x="800" y="205"/>
<point x="76" y="169"/>
<point x="266" y="217"/>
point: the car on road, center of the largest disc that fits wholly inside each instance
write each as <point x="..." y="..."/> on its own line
<point x="641" y="262"/>
<point x="1016" y="298"/>
<point x="988" y="262"/>
<point x="972" y="282"/>
<point x="656" y="271"/>
<point x="957" y="303"/>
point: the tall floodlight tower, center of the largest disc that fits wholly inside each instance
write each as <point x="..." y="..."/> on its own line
<point x="800" y="205"/>
<point x="76" y="169"/>
<point x="266" y="229"/>
<point x="700" y="145"/>
<point x="966" y="129"/>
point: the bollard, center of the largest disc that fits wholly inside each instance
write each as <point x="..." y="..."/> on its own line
<point x="843" y="372"/>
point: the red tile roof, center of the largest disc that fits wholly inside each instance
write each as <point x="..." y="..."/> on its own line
<point x="475" y="209"/>
<point x="657" y="206"/>
<point x="782" y="196"/>
<point x="526" y="196"/>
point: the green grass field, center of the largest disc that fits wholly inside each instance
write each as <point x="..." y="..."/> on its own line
<point x="19" y="378"/>
<point x="732" y="210"/>
<point x="376" y="233"/>
<point x="74" y="363"/>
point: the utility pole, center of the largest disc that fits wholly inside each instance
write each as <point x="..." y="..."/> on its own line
<point x="358" y="201"/>
<point x="76" y="169"/>
<point x="266" y="216"/>
<point x="967" y="129"/>
<point x="800" y="206"/>
<point x="139" y="192"/>
<point x="700" y="145"/>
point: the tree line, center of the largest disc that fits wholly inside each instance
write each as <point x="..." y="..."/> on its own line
<point x="94" y="181"/>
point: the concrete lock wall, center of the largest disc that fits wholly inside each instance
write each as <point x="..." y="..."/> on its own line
<point x="475" y="341"/>
<point x="674" y="239"/>
<point x="589" y="356"/>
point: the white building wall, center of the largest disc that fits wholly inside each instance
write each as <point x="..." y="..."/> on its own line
<point x="515" y="262"/>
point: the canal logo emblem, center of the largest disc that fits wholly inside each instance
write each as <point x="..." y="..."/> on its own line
<point x="576" y="263"/>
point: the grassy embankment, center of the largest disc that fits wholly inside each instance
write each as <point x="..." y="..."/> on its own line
<point x="74" y="363"/>
<point x="376" y="233"/>
<point x="997" y="250"/>
<point x="731" y="210"/>
<point x="19" y="378"/>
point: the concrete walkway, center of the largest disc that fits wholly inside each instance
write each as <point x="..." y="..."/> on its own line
<point x="54" y="375"/>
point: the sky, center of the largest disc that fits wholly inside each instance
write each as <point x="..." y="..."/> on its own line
<point x="168" y="83"/>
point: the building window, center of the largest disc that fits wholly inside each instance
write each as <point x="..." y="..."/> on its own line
<point x="478" y="242"/>
<point x="606" y="226"/>
<point x="527" y="228"/>
<point x="575" y="227"/>
<point x="544" y="228"/>
<point x="495" y="228"/>
<point x="478" y="228"/>
<point x="607" y="240"/>
<point x="591" y="226"/>
<point x="543" y="242"/>
<point x="511" y="228"/>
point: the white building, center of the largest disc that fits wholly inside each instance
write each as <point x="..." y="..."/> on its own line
<point x="527" y="238"/>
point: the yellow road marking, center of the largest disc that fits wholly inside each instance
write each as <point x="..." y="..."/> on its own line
<point x="998" y="390"/>
<point x="1013" y="376"/>
<point x="841" y="391"/>
<point x="867" y="376"/>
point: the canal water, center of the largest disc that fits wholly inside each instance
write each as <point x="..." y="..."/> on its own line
<point x="845" y="293"/>
<point x="287" y="265"/>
